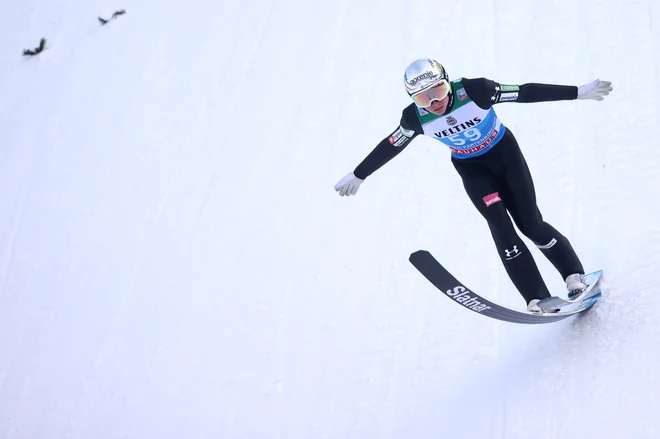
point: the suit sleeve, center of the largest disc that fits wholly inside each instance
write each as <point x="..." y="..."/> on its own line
<point x="392" y="145"/>
<point x="486" y="93"/>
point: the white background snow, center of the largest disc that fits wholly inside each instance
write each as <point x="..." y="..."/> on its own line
<point x="175" y="263"/>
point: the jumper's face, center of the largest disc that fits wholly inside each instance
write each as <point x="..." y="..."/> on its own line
<point x="438" y="107"/>
<point x="434" y="99"/>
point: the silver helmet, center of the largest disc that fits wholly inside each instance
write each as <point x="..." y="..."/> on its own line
<point x="422" y="74"/>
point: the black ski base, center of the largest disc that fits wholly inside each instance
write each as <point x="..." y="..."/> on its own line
<point x="455" y="290"/>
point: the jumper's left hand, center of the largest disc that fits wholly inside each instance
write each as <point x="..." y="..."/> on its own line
<point x="595" y="90"/>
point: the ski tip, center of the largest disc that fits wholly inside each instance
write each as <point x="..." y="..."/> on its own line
<point x="419" y="253"/>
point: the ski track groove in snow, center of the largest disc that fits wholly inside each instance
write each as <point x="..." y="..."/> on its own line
<point x="8" y="252"/>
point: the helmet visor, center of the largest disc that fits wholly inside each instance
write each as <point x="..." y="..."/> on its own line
<point x="438" y="92"/>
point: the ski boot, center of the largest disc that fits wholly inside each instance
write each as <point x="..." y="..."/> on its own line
<point x="575" y="284"/>
<point x="533" y="307"/>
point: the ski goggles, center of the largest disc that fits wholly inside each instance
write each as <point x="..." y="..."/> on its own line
<point x="438" y="92"/>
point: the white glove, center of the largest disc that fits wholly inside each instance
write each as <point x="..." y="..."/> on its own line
<point x="595" y="90"/>
<point x="348" y="185"/>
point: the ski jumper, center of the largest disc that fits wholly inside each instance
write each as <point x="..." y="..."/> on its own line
<point x="492" y="167"/>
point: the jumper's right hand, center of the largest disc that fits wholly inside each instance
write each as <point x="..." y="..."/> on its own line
<point x="348" y="185"/>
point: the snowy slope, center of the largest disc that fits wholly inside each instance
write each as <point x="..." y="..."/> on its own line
<point x="175" y="263"/>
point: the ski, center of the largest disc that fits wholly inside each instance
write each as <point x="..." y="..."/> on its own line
<point x="458" y="292"/>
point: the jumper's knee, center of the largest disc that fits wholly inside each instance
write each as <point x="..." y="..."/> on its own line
<point x="535" y="230"/>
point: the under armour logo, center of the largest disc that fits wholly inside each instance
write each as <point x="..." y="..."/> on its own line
<point x="510" y="254"/>
<point x="497" y="90"/>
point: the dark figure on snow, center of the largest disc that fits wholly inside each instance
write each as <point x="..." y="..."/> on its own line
<point x="486" y="155"/>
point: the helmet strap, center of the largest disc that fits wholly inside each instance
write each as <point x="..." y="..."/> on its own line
<point x="450" y="104"/>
